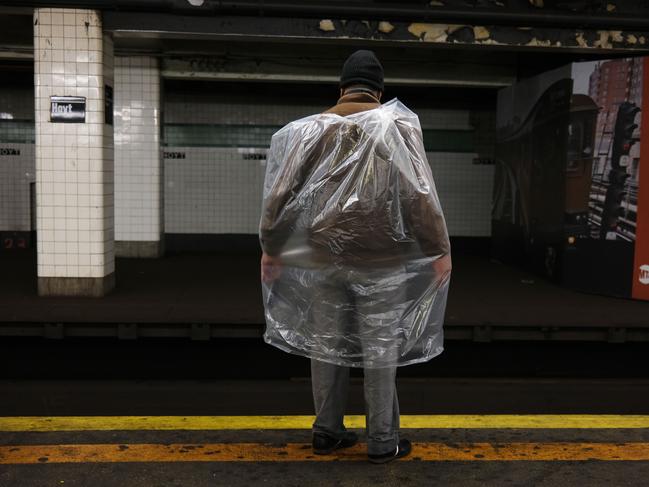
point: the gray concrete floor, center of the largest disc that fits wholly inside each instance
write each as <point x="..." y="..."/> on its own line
<point x="300" y="474"/>
<point x="430" y="396"/>
<point x="443" y="474"/>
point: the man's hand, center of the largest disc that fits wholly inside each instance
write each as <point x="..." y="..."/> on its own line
<point x="271" y="267"/>
<point x="442" y="269"/>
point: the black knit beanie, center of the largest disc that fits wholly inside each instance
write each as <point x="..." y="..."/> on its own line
<point x="363" y="68"/>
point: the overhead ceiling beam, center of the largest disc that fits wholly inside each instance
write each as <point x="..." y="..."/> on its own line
<point x="605" y="41"/>
<point x="593" y="14"/>
<point x="305" y="70"/>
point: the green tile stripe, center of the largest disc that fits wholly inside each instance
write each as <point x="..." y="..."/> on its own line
<point x="191" y="135"/>
<point x="222" y="135"/>
<point x="199" y="135"/>
<point x="436" y="140"/>
<point x="17" y="132"/>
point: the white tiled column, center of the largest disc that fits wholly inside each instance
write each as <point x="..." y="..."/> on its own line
<point x="139" y="222"/>
<point x="74" y="161"/>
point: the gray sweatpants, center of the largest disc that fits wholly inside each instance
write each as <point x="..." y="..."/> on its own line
<point x="350" y="311"/>
<point x="330" y="385"/>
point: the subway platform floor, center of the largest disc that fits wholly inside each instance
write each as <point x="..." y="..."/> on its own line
<point x="249" y="457"/>
<point x="531" y="432"/>
<point x="487" y="300"/>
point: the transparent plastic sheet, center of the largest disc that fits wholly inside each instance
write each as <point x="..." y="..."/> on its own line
<point x="351" y="214"/>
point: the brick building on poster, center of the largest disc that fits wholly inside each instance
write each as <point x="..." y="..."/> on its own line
<point x="611" y="83"/>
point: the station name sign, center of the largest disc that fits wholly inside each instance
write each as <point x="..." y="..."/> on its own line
<point x="173" y="155"/>
<point x="68" y="109"/>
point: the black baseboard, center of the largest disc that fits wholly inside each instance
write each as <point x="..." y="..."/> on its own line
<point x="471" y="246"/>
<point x="16" y="241"/>
<point x="176" y="243"/>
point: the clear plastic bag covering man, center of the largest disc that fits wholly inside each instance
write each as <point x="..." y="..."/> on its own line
<point x="353" y="221"/>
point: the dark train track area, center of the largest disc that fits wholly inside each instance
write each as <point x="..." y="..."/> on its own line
<point x="200" y="316"/>
<point x="216" y="295"/>
<point x="252" y="359"/>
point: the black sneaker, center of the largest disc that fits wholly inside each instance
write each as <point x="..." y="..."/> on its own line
<point x="404" y="447"/>
<point x="324" y="444"/>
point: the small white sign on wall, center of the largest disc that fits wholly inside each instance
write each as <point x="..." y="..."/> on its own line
<point x="253" y="154"/>
<point x="67" y="109"/>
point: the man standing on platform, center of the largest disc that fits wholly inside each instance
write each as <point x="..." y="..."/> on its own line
<point x="356" y="257"/>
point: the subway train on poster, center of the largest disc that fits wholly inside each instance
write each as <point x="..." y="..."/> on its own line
<point x="543" y="178"/>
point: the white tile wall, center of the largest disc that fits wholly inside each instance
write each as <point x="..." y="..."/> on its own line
<point x="213" y="190"/>
<point x="138" y="168"/>
<point x="465" y="192"/>
<point x="216" y="190"/>
<point x="17" y="172"/>
<point x="74" y="161"/>
<point x="464" y="189"/>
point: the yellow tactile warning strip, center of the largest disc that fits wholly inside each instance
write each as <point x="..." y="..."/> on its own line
<point x="158" y="423"/>
<point x="298" y="452"/>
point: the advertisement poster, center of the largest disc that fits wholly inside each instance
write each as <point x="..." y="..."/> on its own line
<point x="567" y="197"/>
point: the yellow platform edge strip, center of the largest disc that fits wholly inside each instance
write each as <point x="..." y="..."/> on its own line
<point x="296" y="452"/>
<point x="160" y="423"/>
